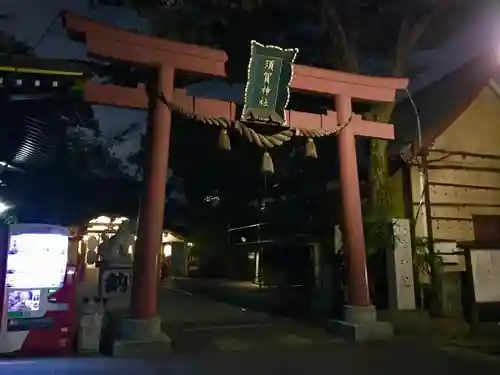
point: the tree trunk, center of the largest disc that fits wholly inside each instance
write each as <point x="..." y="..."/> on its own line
<point x="380" y="202"/>
<point x="379" y="175"/>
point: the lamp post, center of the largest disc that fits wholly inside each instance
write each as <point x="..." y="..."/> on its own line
<point x="425" y="201"/>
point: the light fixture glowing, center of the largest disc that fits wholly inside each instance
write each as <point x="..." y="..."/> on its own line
<point x="167" y="250"/>
<point x="6" y="165"/>
<point x="4" y="207"/>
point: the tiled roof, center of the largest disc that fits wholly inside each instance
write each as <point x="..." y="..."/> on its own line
<point x="441" y="103"/>
<point x="35" y="104"/>
<point x="32" y="131"/>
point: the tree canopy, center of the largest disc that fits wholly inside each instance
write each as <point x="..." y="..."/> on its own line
<point x="367" y="36"/>
<point x="363" y="36"/>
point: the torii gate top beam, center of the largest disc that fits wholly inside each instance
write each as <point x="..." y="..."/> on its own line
<point x="129" y="97"/>
<point x="109" y="42"/>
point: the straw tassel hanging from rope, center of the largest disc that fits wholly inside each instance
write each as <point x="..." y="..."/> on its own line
<point x="224" y="141"/>
<point x="311" y="151"/>
<point x="267" y="163"/>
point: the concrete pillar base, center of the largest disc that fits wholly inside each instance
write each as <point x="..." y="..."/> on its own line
<point x="142" y="338"/>
<point x="360" y="324"/>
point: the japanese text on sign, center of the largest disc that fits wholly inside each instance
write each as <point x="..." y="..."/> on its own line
<point x="267" y="90"/>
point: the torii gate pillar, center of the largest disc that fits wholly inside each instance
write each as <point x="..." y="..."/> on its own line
<point x="142" y="334"/>
<point x="360" y="317"/>
<point x="144" y="299"/>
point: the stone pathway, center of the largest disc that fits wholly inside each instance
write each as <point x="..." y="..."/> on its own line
<point x="199" y="325"/>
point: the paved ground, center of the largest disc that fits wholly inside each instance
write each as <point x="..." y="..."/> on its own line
<point x="289" y="303"/>
<point x="181" y="306"/>
<point x="340" y="359"/>
<point x="200" y="325"/>
<point x="216" y="338"/>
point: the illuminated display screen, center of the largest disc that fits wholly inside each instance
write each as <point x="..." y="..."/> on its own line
<point x="36" y="260"/>
<point x="23" y="300"/>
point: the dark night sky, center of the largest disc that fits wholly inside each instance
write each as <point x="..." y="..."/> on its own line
<point x="29" y="18"/>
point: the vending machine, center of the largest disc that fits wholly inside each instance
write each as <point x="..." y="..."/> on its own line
<point x="39" y="301"/>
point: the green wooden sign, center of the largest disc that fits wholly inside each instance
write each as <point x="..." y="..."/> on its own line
<point x="267" y="91"/>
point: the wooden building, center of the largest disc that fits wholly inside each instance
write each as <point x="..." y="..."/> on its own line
<point x="460" y="125"/>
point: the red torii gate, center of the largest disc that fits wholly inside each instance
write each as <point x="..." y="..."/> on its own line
<point x="167" y="56"/>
